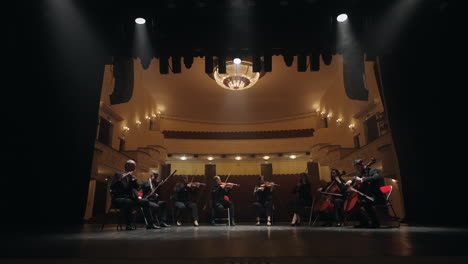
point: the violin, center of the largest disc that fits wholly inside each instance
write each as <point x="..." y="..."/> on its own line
<point x="268" y="184"/>
<point x="354" y="191"/>
<point x="229" y="184"/>
<point x="195" y="184"/>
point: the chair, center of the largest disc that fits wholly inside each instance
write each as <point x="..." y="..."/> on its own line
<point x="116" y="211"/>
<point x="387" y="191"/>
<point x="224" y="218"/>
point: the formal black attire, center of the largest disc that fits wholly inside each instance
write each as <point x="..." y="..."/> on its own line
<point x="371" y="183"/>
<point x="124" y="195"/>
<point x="264" y="200"/>
<point x="182" y="201"/>
<point x="220" y="202"/>
<point x="304" y="197"/>
<point x="337" y="200"/>
<point x="158" y="207"/>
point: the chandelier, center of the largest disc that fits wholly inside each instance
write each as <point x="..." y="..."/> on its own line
<point x="239" y="75"/>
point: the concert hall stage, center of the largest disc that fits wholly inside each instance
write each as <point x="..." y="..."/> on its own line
<point x="240" y="244"/>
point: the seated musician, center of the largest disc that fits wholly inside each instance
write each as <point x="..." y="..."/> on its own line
<point x="371" y="182"/>
<point x="124" y="190"/>
<point x="158" y="207"/>
<point x="337" y="211"/>
<point x="303" y="189"/>
<point x="184" y="192"/>
<point x="264" y="199"/>
<point x="221" y="200"/>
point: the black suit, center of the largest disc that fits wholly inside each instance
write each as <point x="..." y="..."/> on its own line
<point x="158" y="207"/>
<point x="123" y="191"/>
<point x="371" y="183"/>
<point x="219" y="203"/>
<point x="182" y="201"/>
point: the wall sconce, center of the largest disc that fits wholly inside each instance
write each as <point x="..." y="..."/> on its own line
<point x="292" y="156"/>
<point x="153" y="116"/>
<point x="339" y="121"/>
<point x="210" y="158"/>
<point x="266" y="157"/>
<point x="147" y="118"/>
<point x="238" y="158"/>
<point x="138" y="122"/>
<point x="329" y="116"/>
<point x="352" y="127"/>
<point x="125" y="129"/>
<point x="183" y="158"/>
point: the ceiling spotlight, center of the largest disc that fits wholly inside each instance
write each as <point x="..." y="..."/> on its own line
<point x="292" y="156"/>
<point x="140" y="21"/>
<point x="183" y="158"/>
<point x="342" y="18"/>
<point x="238" y="158"/>
<point x="210" y="158"/>
<point x="266" y="157"/>
<point x="237" y="61"/>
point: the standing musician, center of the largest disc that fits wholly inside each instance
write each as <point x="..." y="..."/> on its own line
<point x="221" y="200"/>
<point x="371" y="182"/>
<point x="264" y="199"/>
<point x="303" y="189"/>
<point x="152" y="193"/>
<point x="184" y="191"/>
<point x="124" y="191"/>
<point x="338" y="184"/>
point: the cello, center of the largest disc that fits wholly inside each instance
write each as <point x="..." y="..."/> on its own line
<point x="354" y="191"/>
<point x="332" y="191"/>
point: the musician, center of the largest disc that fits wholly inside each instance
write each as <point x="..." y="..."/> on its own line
<point x="183" y="200"/>
<point x="264" y="199"/>
<point x="158" y="207"/>
<point x="221" y="200"/>
<point x="338" y="201"/>
<point x="124" y="191"/>
<point x="371" y="182"/>
<point x="303" y="189"/>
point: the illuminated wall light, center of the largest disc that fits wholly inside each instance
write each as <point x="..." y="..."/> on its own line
<point x="210" y="158"/>
<point x="339" y="120"/>
<point x="183" y="158"/>
<point x="393" y="180"/>
<point x="238" y="158"/>
<point x="292" y="156"/>
<point x="317" y="110"/>
<point x="153" y="116"/>
<point x="329" y="115"/>
<point x="351" y="126"/>
<point x="125" y="128"/>
<point x="266" y="157"/>
<point x="138" y="122"/>
<point x="147" y="118"/>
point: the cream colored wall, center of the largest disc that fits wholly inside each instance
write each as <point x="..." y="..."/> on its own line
<point x="238" y="146"/>
<point x="336" y="102"/>
<point x="305" y="122"/>
<point x="239" y="167"/>
<point x="141" y="104"/>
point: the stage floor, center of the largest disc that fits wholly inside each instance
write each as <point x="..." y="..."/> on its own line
<point x="239" y="244"/>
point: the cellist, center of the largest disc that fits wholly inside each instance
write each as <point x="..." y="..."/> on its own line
<point x="371" y="182"/>
<point x="336" y="186"/>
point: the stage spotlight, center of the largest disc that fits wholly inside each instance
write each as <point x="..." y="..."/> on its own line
<point x="208" y="64"/>
<point x="301" y="63"/>
<point x="176" y="64"/>
<point x="267" y="66"/>
<point x="342" y="18"/>
<point x="314" y="61"/>
<point x="257" y="64"/>
<point x="163" y="65"/>
<point x="222" y="64"/>
<point x="140" y="21"/>
<point x="188" y="61"/>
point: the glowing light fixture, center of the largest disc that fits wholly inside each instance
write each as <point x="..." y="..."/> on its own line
<point x="238" y="158"/>
<point x="238" y="76"/>
<point x="292" y="156"/>
<point x="266" y="157"/>
<point x="183" y="158"/>
<point x="140" y="21"/>
<point x="342" y="18"/>
<point x="210" y="158"/>
<point x="237" y="61"/>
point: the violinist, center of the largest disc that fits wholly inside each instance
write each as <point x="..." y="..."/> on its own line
<point x="303" y="189"/>
<point x="182" y="200"/>
<point x="220" y="199"/>
<point x="336" y="186"/>
<point x="124" y="189"/>
<point x="264" y="199"/>
<point x="150" y="192"/>
<point x="370" y="181"/>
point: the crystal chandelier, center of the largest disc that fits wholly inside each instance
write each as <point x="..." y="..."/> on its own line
<point x="238" y="76"/>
